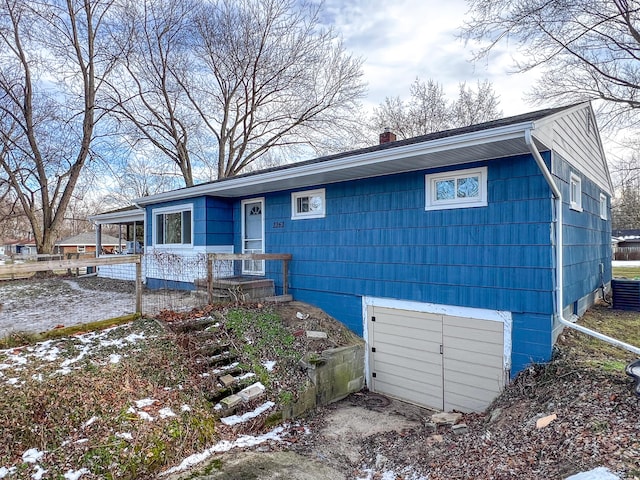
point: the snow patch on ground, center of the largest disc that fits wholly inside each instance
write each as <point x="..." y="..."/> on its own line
<point x="269" y="365"/>
<point x="600" y="473"/>
<point x="4" y="471"/>
<point x="39" y="472"/>
<point x="235" y="419"/>
<point x="75" y="474"/>
<point x="244" y="441"/>
<point x="166" y="412"/>
<point x="145" y="402"/>
<point x="32" y="455"/>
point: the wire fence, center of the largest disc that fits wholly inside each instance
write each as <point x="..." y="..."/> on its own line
<point x="41" y="294"/>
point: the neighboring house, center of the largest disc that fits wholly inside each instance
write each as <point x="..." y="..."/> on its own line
<point x="626" y="248"/>
<point x="442" y="251"/>
<point x="85" y="243"/>
<point x="23" y="246"/>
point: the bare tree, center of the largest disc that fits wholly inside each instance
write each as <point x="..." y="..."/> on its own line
<point x="214" y="86"/>
<point x="625" y="206"/>
<point x="473" y="107"/>
<point x="13" y="221"/>
<point x="273" y="78"/>
<point x="50" y="71"/>
<point x="153" y="49"/>
<point x="586" y="48"/>
<point x="428" y="109"/>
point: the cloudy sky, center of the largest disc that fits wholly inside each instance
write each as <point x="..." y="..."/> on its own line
<point x="405" y="39"/>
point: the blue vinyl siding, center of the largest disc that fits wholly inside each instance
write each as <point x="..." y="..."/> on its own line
<point x="377" y="240"/>
<point x="586" y="236"/>
<point x="219" y="221"/>
<point x="212" y="220"/>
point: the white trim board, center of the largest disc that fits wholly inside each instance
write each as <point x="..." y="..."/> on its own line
<point x="449" y="310"/>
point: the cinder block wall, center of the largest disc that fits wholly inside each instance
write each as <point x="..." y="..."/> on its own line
<point x="333" y="375"/>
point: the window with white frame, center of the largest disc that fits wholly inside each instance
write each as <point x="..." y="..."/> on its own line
<point x="575" y="192"/>
<point x="603" y="206"/>
<point x="309" y="204"/>
<point x="81" y="248"/>
<point x="457" y="189"/>
<point x="172" y="226"/>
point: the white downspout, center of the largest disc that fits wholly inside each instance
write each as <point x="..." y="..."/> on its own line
<point x="557" y="195"/>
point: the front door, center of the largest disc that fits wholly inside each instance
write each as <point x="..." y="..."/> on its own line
<point x="253" y="235"/>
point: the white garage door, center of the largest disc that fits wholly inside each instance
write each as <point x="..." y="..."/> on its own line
<point x="435" y="360"/>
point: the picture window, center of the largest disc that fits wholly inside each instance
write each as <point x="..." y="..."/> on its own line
<point x="458" y="189"/>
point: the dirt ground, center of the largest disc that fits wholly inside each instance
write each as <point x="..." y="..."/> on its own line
<point x="330" y="447"/>
<point x="367" y="436"/>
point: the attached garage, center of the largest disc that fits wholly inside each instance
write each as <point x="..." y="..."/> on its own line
<point x="437" y="356"/>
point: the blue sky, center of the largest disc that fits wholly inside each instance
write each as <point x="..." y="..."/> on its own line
<point x="405" y="39"/>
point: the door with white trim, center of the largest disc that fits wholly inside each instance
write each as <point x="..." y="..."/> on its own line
<point x="253" y="234"/>
<point x="440" y="361"/>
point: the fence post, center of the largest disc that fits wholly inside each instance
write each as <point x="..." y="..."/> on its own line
<point x="285" y="276"/>
<point x="139" y="286"/>
<point x="210" y="278"/>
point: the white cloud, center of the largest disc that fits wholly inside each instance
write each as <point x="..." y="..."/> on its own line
<point x="418" y="38"/>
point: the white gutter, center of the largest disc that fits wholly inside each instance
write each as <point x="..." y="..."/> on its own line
<point x="557" y="195"/>
<point x="357" y="160"/>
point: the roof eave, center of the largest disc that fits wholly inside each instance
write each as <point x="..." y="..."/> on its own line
<point x="126" y="216"/>
<point x="348" y="162"/>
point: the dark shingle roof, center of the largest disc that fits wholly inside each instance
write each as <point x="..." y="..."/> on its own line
<point x="502" y="122"/>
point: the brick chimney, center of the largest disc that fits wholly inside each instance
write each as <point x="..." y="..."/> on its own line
<point x="387" y="136"/>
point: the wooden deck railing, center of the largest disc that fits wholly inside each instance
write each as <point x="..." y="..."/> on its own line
<point x="213" y="257"/>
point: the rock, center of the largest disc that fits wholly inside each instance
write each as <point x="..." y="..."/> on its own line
<point x="302" y="316"/>
<point x="460" y="429"/>
<point x="446" y="418"/>
<point x="495" y="415"/>
<point x="315" y="334"/>
<point x="544" y="421"/>
<point x="381" y="460"/>
<point x="227" y="380"/>
<point x="434" y="439"/>
<point x="230" y="401"/>
<point x="430" y="427"/>
<point x="251" y="392"/>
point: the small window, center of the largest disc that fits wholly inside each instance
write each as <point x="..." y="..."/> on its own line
<point x="575" y="192"/>
<point x="81" y="248"/>
<point x="459" y="189"/>
<point x="308" y="204"/>
<point x="603" y="207"/>
<point x="173" y="227"/>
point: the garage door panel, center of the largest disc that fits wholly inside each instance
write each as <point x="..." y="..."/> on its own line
<point x="465" y="360"/>
<point x="408" y="314"/>
<point x="406" y="356"/>
<point x="477" y="324"/>
<point x="486" y="379"/>
<point x="412" y="338"/>
<point x="473" y="346"/>
<point x="409" y="365"/>
<point x="431" y="398"/>
<point x="473" y="335"/>
<point x="407" y="362"/>
<point x="464" y="403"/>
<point x="431" y="371"/>
<point x="394" y="378"/>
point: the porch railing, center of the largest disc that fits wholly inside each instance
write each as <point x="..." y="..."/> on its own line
<point x="212" y="258"/>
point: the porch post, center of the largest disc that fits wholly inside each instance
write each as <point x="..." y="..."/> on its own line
<point x="98" y="239"/>
<point x="139" y="286"/>
<point x="210" y="257"/>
